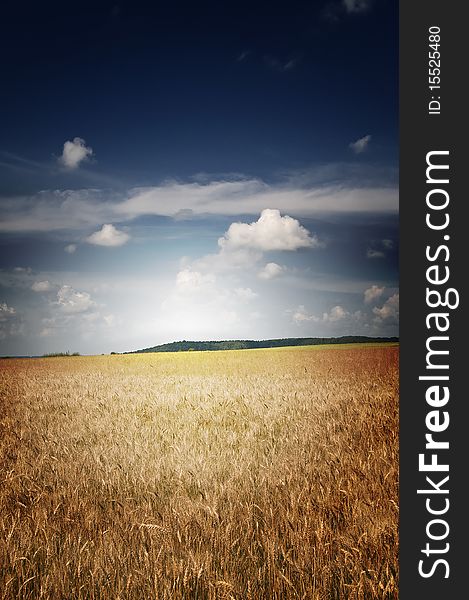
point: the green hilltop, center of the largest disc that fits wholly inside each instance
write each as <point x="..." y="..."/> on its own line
<point x="185" y="346"/>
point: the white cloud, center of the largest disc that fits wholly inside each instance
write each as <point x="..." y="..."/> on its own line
<point x="357" y="6"/>
<point x="361" y="144"/>
<point x="270" y="271"/>
<point x="372" y="253"/>
<point x="337" y="313"/>
<point x="71" y="301"/>
<point x="389" y="310"/>
<point x="188" y="280"/>
<point x="270" y="232"/>
<point x="41" y="286"/>
<point x="245" y="294"/>
<point x="110" y="320"/>
<point x="108" y="235"/>
<point x="300" y="315"/>
<point x="71" y="248"/>
<point x="373" y="293"/>
<point x="74" y="153"/>
<point x="6" y="312"/>
<point x="10" y="322"/>
<point x="251" y="196"/>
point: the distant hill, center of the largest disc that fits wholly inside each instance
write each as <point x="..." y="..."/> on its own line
<point x="185" y="346"/>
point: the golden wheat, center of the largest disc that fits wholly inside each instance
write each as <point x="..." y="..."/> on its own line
<point x="258" y="474"/>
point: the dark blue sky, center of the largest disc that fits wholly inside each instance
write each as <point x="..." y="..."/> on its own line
<point x="172" y="89"/>
<point x="163" y="163"/>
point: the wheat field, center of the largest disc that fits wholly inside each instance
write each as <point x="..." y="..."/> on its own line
<point x="250" y="474"/>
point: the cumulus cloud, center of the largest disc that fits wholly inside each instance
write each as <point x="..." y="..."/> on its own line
<point x="71" y="248"/>
<point x="41" y="286"/>
<point x="71" y="301"/>
<point x="389" y="310"/>
<point x="361" y="144"/>
<point x="357" y="6"/>
<point x="188" y="280"/>
<point x="74" y="153"/>
<point x="108" y="235"/>
<point x="300" y="315"/>
<point x="244" y="244"/>
<point x="337" y="313"/>
<point x="270" y="232"/>
<point x="373" y="293"/>
<point x="270" y="271"/>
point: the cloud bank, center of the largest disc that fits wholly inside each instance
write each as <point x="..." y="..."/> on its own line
<point x="55" y="210"/>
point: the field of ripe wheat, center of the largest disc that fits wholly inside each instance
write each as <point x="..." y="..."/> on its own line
<point x="258" y="474"/>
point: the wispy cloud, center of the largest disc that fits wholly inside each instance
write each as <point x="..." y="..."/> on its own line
<point x="282" y="66"/>
<point x="242" y="56"/>
<point x="380" y="248"/>
<point x="54" y="210"/>
<point x="251" y="196"/>
<point x="19" y="163"/>
<point x="360" y="145"/>
<point x="373" y="253"/>
<point x="357" y="6"/>
<point x="245" y="294"/>
<point x="388" y="244"/>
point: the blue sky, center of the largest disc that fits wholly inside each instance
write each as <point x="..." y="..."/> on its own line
<point x="208" y="171"/>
